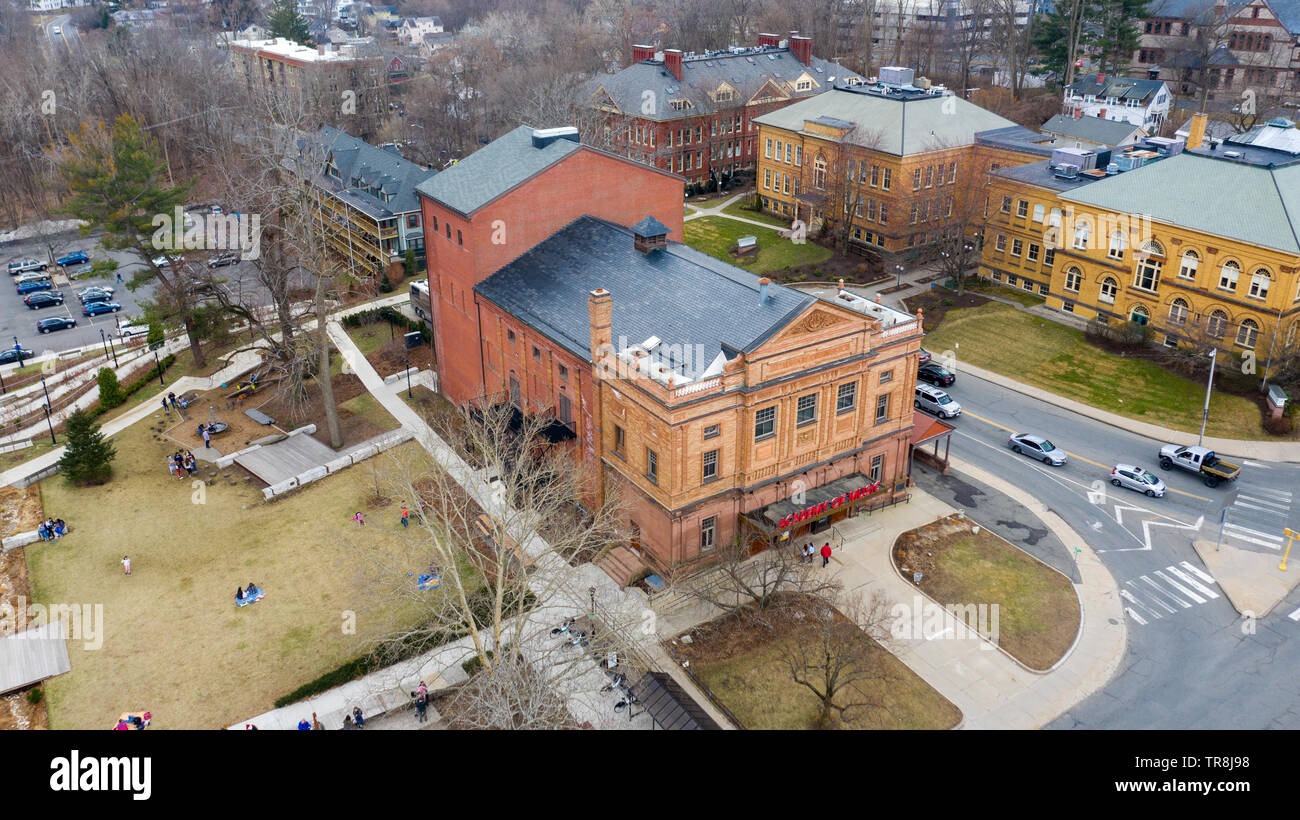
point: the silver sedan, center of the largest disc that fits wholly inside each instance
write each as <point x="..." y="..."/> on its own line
<point x="1136" y="478"/>
<point x="1037" y="447"/>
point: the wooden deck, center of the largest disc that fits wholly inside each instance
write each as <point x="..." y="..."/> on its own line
<point x="32" y="656"/>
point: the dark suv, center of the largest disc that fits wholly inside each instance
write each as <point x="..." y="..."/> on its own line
<point x="44" y="298"/>
<point x="55" y="323"/>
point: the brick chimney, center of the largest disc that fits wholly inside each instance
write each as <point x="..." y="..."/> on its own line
<point x="801" y="48"/>
<point x="600" y="310"/>
<point x="673" y="62"/>
<point x="1196" y="130"/>
<point x="769" y="40"/>
<point x="1078" y="113"/>
<point x="1101" y="78"/>
<point x="642" y="52"/>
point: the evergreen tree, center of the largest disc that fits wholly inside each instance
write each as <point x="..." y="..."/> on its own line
<point x="285" y="21"/>
<point x="410" y="263"/>
<point x="88" y="456"/>
<point x="110" y="390"/>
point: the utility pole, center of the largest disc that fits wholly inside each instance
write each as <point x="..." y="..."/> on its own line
<point x="1205" y="413"/>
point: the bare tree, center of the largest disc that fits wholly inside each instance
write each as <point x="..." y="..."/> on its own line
<point x="836" y="655"/>
<point x="739" y="581"/>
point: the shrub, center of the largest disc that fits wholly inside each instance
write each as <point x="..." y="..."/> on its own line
<point x="35" y="695"/>
<point x="948" y="302"/>
<point x="110" y="391"/>
<point x="1280" y="426"/>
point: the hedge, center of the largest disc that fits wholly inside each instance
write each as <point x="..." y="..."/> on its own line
<point x="385" y="314"/>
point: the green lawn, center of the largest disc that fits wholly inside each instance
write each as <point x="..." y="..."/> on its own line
<point x="1038" y="613"/>
<point x="1058" y="359"/>
<point x="736" y="209"/>
<point x="1023" y="297"/>
<point x="371" y="337"/>
<point x="715" y="236"/>
<point x="369" y="408"/>
<point x="173" y="640"/>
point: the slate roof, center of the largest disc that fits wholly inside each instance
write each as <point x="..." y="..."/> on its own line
<point x="650" y="227"/>
<point x="1121" y="88"/>
<point x="1092" y="129"/>
<point x="684" y="297"/>
<point x="1288" y="13"/>
<point x="381" y="167"/>
<point x="893" y="125"/>
<point x="747" y="72"/>
<point x="1251" y="203"/>
<point x="494" y="169"/>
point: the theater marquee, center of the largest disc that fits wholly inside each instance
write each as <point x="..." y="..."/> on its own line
<point x="816" y="510"/>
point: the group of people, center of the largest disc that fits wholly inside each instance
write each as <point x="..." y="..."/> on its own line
<point x="356" y="720"/>
<point x="134" y="721"/>
<point x="182" y="464"/>
<point x="421" y="695"/>
<point x="51" y="529"/>
<point x="809" y="552"/>
<point x="174" y="403"/>
<point x="249" y="594"/>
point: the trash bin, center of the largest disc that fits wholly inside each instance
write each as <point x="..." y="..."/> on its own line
<point x="413" y="339"/>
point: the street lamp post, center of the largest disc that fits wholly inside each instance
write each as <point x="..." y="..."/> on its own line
<point x="159" y="364"/>
<point x="46" y="389"/>
<point x="1205" y="413"/>
<point x="899" y="268"/>
<point x="592" y="592"/>
<point x="46" y="408"/>
<point x="104" y="340"/>
<point x="19" y="350"/>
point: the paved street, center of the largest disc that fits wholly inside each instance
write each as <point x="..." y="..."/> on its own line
<point x="1187" y="655"/>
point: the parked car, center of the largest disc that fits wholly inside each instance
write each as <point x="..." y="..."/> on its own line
<point x="163" y="261"/>
<point x="224" y="259"/>
<point x="934" y="400"/>
<point x="129" y="330"/>
<point x="33" y="285"/>
<point x="11" y="355"/>
<point x="925" y="356"/>
<point x="96" y="295"/>
<point x="1136" y="478"/>
<point x="44" y="298"/>
<point x="96" y="308"/>
<point x="30" y="276"/>
<point x="216" y="209"/>
<point x="934" y="374"/>
<point x="1200" y="460"/>
<point x="55" y="323"/>
<point x="56" y="29"/>
<point x="94" y="289"/>
<point x="74" y="258"/>
<point x="26" y="265"/>
<point x="1037" y="447"/>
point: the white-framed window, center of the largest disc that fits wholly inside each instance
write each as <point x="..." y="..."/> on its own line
<point x="1117" y="243"/>
<point x="875" y="176"/>
<point x="877" y="467"/>
<point x="768" y="150"/>
<point x="1217" y="324"/>
<point x="806" y="410"/>
<point x="767" y="178"/>
<point x="1039" y="211"/>
<point x="789" y="152"/>
<point x="1081" y="232"/>
<point x="1187" y="270"/>
<point x="1228" y="275"/>
<point x="1017" y="247"/>
<point x="1247" y="333"/>
<point x="1147" y="274"/>
<point x="846" y="397"/>
<point x="1032" y="254"/>
<point x="1073" y="279"/>
<point x="1178" y="312"/>
<point x="1022" y="208"/>
<point x="708" y="532"/>
<point x="710" y="466"/>
<point x="1000" y="242"/>
<point x="798" y="155"/>
<point x="1259" y="282"/>
<point x="1054" y="218"/>
<point x="1109" y="287"/>
<point x="819" y="173"/>
<point x="886" y="174"/>
<point x="764" y="423"/>
<point x="916" y="178"/>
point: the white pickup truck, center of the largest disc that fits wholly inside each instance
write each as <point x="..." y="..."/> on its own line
<point x="1201" y="460"/>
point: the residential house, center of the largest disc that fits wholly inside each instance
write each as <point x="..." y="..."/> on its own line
<point x="1144" y="103"/>
<point x="693" y="114"/>
<point x="412" y="30"/>
<point x="1092" y="131"/>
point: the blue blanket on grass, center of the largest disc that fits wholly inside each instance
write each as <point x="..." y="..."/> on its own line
<point x="250" y="599"/>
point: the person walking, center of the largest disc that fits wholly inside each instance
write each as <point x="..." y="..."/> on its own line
<point x="207" y="438"/>
<point x="164" y="403"/>
<point x="171" y="399"/>
<point x="119" y="277"/>
<point x="421" y="705"/>
<point x="315" y="724"/>
<point x="826" y="553"/>
<point x="359" y="518"/>
<point x="358" y="718"/>
<point x="126" y="565"/>
<point x="406" y="516"/>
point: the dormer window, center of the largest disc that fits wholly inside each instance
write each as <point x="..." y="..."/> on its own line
<point x="680" y="105"/>
<point x="803" y="85"/>
<point x="724" y="94"/>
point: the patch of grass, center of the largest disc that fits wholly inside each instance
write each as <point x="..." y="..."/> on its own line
<point x="1018" y="295"/>
<point x="736" y="209"/>
<point x="173" y="640"/>
<point x="1058" y="359"/>
<point x="716" y="236"/>
<point x="369" y="408"/>
<point x="748" y="676"/>
<point x="369" y="338"/>
<point x="1038" y="612"/>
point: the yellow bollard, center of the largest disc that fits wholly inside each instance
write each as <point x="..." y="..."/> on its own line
<point x="1291" y="535"/>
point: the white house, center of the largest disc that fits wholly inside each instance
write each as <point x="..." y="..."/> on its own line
<point x="1143" y="103"/>
<point x="413" y="29"/>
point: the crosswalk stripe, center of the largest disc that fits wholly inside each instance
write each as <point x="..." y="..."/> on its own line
<point x="1295" y="616"/>
<point x="1204" y="576"/>
<point x="1128" y="596"/>
<point x="1254" y="541"/>
<point x="1135" y="616"/>
<point x="1257" y="533"/>
<point x="1245" y="506"/>
<point x="1187" y="579"/>
<point x="1166" y="593"/>
<point x="1171" y="582"/>
<point x="1281" y="507"/>
<point x="1282" y="495"/>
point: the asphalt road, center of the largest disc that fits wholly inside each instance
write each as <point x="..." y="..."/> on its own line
<point x="1190" y="662"/>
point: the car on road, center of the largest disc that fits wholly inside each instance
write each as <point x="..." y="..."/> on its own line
<point x="934" y="400"/>
<point x="936" y="375"/>
<point x="925" y="356"/>
<point x="44" y="298"/>
<point x="129" y="330"/>
<point x="1200" y="460"/>
<point x="55" y="323"/>
<point x="164" y="262"/>
<point x="1136" y="478"/>
<point x="96" y="308"/>
<point x="11" y="355"/>
<point x="25" y="266"/>
<point x="95" y="294"/>
<point x="74" y="258"/>
<point x="56" y="29"/>
<point x="1037" y="447"/>
<point x="224" y="259"/>
<point x="33" y="285"/>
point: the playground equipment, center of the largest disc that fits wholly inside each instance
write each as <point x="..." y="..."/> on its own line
<point x="215" y="426"/>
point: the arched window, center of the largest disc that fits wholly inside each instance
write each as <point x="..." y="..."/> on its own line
<point x="1217" y="325"/>
<point x="1073" y="278"/>
<point x="1108" y="289"/>
<point x="1247" y="333"/>
<point x="1188" y="268"/>
<point x="1259" y="282"/>
<point x="1081" y="231"/>
<point x="1139" y="315"/>
<point x="1228" y="275"/>
<point x="819" y="173"/>
<point x="1150" y="261"/>
<point x="1178" y="312"/>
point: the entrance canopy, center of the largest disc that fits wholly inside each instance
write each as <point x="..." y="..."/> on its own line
<point x="817" y="502"/>
<point x="669" y="705"/>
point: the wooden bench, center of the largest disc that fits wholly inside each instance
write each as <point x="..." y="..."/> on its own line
<point x="259" y="417"/>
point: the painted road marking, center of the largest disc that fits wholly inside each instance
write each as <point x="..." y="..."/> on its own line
<point x="1280" y="495"/>
<point x="1166" y="593"/>
<point x="1128" y="596"/>
<point x="1158" y="600"/>
<point x="1273" y="510"/>
<point x="1193" y="583"/>
<point x="1253" y="536"/>
<point x="1280" y="507"/>
<point x="1171" y="582"/>
<point x="1135" y="616"/>
<point x="1256" y="465"/>
<point x="1295" y="616"/>
<point x="1204" y="576"/>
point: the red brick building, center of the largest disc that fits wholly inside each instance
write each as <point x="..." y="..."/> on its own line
<point x="693" y="114"/>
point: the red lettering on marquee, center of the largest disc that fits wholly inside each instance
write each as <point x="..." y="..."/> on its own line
<point x="818" y="509"/>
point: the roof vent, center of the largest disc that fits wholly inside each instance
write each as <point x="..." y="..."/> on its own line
<point x="543" y="137"/>
<point x="649" y="235"/>
<point x="1233" y="154"/>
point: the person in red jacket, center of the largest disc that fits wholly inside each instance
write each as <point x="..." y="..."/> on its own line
<point x="826" y="553"/>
